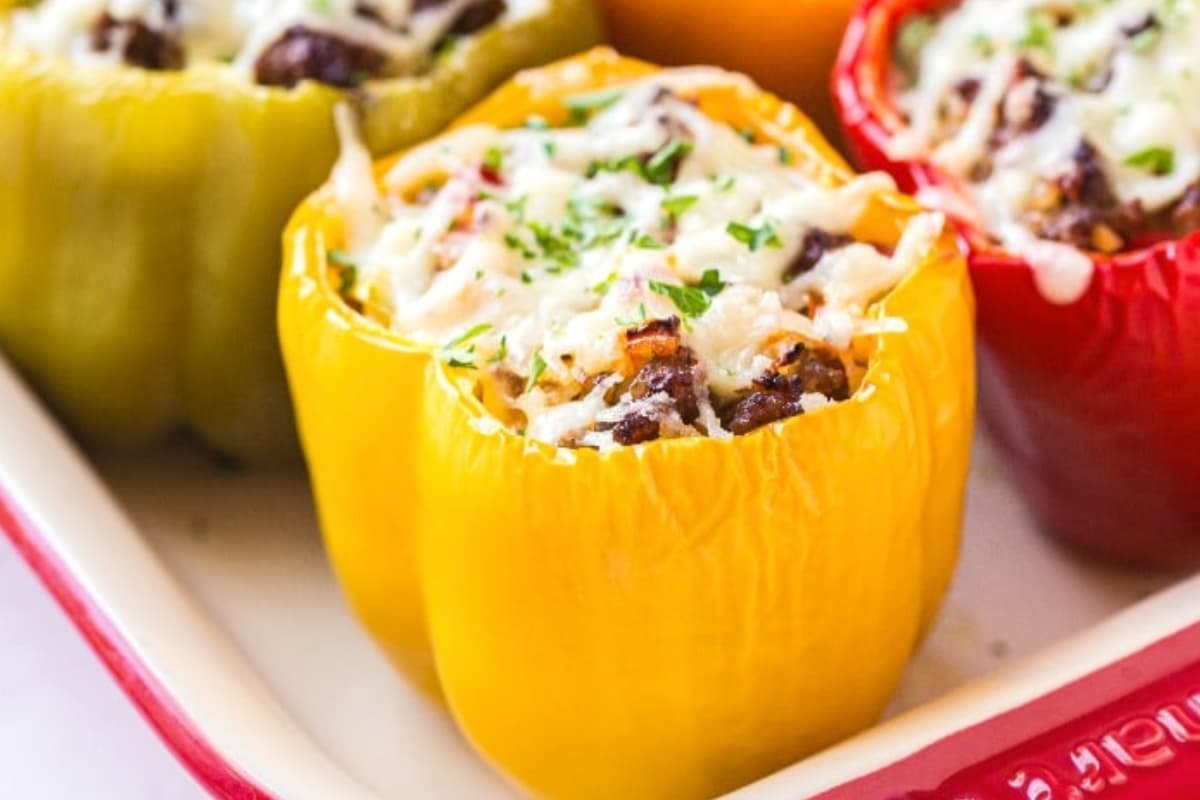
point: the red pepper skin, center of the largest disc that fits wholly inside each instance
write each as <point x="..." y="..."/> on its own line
<point x="1094" y="406"/>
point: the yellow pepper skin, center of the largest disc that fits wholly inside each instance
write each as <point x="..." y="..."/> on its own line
<point x="668" y="620"/>
<point x="140" y="219"/>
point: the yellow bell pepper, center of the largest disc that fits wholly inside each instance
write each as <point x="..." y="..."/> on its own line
<point x="140" y="215"/>
<point x="668" y="620"/>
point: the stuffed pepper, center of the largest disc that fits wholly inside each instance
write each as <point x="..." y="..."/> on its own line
<point x="151" y="152"/>
<point x="638" y="425"/>
<point x="1061" y="138"/>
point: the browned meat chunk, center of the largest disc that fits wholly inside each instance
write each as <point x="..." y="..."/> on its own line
<point x="807" y="370"/>
<point x="302" y="53"/>
<point x="814" y="247"/>
<point x="1082" y="209"/>
<point x="478" y="16"/>
<point x="1149" y="22"/>
<point x="968" y="89"/>
<point x="803" y="370"/>
<point x="141" y="46"/>
<point x="635" y="429"/>
<point x="474" y="17"/>
<point x="674" y="376"/>
<point x="1043" y="107"/>
<point x="1087" y="184"/>
<point x="759" y="409"/>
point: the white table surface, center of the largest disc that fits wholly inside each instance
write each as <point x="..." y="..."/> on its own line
<point x="66" y="730"/>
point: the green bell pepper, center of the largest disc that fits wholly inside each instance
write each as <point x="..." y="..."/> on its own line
<point x="141" y="214"/>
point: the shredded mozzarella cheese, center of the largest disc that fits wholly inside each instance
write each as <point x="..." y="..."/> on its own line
<point x="235" y="33"/>
<point x="534" y="252"/>
<point x="1120" y="75"/>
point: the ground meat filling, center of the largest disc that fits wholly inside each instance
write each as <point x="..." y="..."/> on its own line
<point x="673" y="378"/>
<point x="779" y="393"/>
<point x="776" y="395"/>
<point x="138" y="44"/>
<point x="304" y="54"/>
<point x="816" y="244"/>
<point x="664" y="368"/>
<point x="1081" y="208"/>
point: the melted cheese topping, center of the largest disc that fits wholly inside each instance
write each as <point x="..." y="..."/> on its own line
<point x="532" y="252"/>
<point x="1122" y="74"/>
<point x="237" y="32"/>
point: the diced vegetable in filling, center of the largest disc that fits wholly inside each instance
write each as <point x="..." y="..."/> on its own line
<point x="1066" y="121"/>
<point x="273" y="42"/>
<point x="645" y="272"/>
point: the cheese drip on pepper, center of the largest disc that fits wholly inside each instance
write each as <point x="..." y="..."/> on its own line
<point x="274" y="42"/>
<point x="649" y="273"/>
<point x="1069" y="124"/>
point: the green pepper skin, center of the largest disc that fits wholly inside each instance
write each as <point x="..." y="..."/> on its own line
<point x="140" y="223"/>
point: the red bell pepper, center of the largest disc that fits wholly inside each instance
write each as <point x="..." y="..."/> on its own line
<point x="1093" y="405"/>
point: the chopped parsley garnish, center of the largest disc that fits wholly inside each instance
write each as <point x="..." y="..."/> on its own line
<point x="468" y="335"/>
<point x="342" y="258"/>
<point x="785" y="155"/>
<point x="629" y="163"/>
<point x="603" y="286"/>
<point x="983" y="45"/>
<point x="592" y="221"/>
<point x="660" y="169"/>
<point x="526" y="277"/>
<point x="347" y="269"/>
<point x="517" y="207"/>
<point x="585" y="208"/>
<point x="446" y="46"/>
<point x="724" y="182"/>
<point x="501" y="352"/>
<point x="514" y="243"/>
<point x="645" y="241"/>
<point x="754" y="238"/>
<point x="711" y="283"/>
<point x="459" y="353"/>
<point x="536" y="123"/>
<point x="1145" y="41"/>
<point x="1155" y="160"/>
<point x="602" y="232"/>
<point x="583" y="105"/>
<point x="550" y="147"/>
<point x="554" y="247"/>
<point x="348" y="278"/>
<point x="691" y="302"/>
<point x="493" y="159"/>
<point x="536" y="367"/>
<point x="636" y="318"/>
<point x="674" y="206"/>
<point x="1038" y="32"/>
